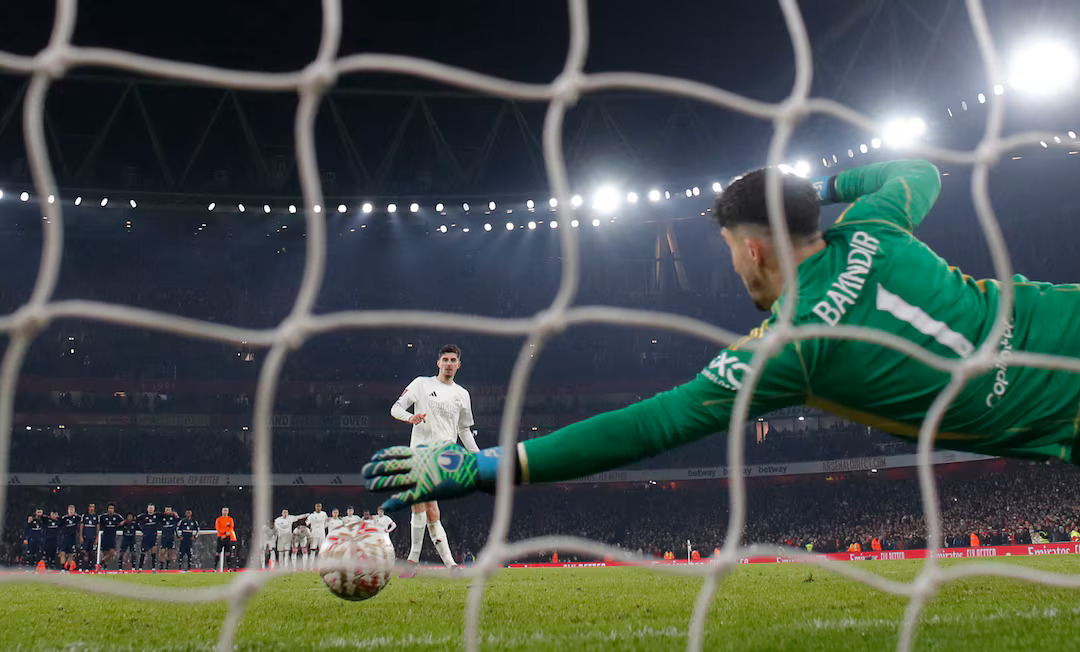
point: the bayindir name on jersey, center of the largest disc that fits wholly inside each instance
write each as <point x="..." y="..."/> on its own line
<point x="846" y="288"/>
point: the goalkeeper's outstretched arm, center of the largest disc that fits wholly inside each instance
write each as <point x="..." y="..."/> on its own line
<point x="610" y="440"/>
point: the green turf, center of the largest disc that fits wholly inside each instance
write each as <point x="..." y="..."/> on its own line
<point x="760" y="607"/>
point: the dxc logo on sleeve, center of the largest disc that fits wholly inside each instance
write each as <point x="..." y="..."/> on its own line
<point x="727" y="370"/>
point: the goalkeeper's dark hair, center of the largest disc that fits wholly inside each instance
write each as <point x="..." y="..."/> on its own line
<point x="450" y="348"/>
<point x="743" y="204"/>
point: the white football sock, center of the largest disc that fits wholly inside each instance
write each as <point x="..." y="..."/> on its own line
<point x="419" y="521"/>
<point x="438" y="537"/>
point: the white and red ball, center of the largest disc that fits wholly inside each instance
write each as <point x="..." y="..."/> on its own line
<point x="356" y="560"/>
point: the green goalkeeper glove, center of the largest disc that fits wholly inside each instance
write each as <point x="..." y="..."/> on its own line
<point x="423" y="474"/>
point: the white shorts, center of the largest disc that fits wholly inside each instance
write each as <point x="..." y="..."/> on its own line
<point x="316" y="542"/>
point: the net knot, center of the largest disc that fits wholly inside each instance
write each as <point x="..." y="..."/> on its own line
<point x="247" y="586"/>
<point x="567" y="87"/>
<point x="319" y="75"/>
<point x="550" y="322"/>
<point x="791" y="111"/>
<point x="988" y="152"/>
<point x="53" y="62"/>
<point x="30" y="319"/>
<point x="923" y="586"/>
<point x="292" y="333"/>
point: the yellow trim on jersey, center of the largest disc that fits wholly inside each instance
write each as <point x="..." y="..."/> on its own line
<point x="878" y="220"/>
<point x="755" y="334"/>
<point x="802" y="363"/>
<point x="881" y="423"/>
<point x="907" y="200"/>
<point x="844" y="214"/>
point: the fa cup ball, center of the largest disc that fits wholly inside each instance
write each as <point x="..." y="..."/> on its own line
<point x="356" y="560"/>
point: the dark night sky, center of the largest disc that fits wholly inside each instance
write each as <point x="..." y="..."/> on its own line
<point x="880" y="56"/>
<point x="743" y="44"/>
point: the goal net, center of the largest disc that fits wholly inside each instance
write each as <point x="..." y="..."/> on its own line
<point x="60" y="56"/>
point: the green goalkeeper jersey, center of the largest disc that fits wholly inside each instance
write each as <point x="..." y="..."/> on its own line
<point x="872" y="272"/>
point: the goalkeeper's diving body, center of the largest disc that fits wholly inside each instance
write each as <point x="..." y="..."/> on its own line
<point x="868" y="269"/>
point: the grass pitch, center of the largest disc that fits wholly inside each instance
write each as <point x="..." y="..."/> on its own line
<point x="759" y="607"/>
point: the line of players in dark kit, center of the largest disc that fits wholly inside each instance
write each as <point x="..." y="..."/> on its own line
<point x="70" y="542"/>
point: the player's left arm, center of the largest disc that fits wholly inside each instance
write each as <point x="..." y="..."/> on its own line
<point x="465" y="424"/>
<point x="610" y="440"/>
<point x="900" y="193"/>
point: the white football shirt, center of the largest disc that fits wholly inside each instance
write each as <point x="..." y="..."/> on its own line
<point x="317" y="523"/>
<point x="283" y="529"/>
<point x="385" y="523"/>
<point x="271" y="537"/>
<point x="300" y="536"/>
<point x="333" y="524"/>
<point x="447" y="410"/>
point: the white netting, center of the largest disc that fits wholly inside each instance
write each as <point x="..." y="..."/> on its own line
<point x="60" y="55"/>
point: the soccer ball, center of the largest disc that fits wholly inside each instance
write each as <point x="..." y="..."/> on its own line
<point x="356" y="560"/>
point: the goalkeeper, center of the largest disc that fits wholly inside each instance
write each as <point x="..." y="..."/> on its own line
<point x="868" y="269"/>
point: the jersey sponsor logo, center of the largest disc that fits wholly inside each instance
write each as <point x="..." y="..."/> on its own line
<point x="1001" y="380"/>
<point x="847" y="287"/>
<point x="298" y="480"/>
<point x="727" y="370"/>
<point x="450" y="461"/>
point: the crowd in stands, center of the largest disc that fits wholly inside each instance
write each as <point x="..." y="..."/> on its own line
<point x="104" y="449"/>
<point x="1011" y="505"/>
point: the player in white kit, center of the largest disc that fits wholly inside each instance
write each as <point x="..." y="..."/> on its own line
<point x="301" y="539"/>
<point x="283" y="534"/>
<point x="317" y="520"/>
<point x="350" y="516"/>
<point x="442" y="413"/>
<point x="269" y="541"/>
<point x="384" y="522"/>
<point x="334" y="522"/>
